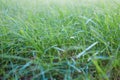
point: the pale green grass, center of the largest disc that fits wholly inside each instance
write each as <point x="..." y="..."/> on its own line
<point x="60" y="40"/>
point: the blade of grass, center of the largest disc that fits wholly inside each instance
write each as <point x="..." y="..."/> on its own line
<point x="83" y="52"/>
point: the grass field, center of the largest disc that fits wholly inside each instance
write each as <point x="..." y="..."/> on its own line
<point x="59" y="40"/>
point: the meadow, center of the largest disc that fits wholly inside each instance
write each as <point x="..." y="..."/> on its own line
<point x="59" y="40"/>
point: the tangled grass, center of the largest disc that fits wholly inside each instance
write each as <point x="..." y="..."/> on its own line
<point x="60" y="40"/>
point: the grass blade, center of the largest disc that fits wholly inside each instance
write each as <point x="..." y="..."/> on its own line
<point x="82" y="53"/>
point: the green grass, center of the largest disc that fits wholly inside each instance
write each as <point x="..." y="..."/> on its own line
<point x="60" y="40"/>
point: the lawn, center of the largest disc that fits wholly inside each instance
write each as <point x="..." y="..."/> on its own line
<point x="59" y="40"/>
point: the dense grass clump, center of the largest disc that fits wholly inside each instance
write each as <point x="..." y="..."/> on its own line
<point x="59" y="40"/>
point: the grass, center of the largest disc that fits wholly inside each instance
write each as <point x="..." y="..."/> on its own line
<point x="60" y="40"/>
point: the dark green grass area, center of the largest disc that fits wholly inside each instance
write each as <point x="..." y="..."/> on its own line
<point x="60" y="40"/>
